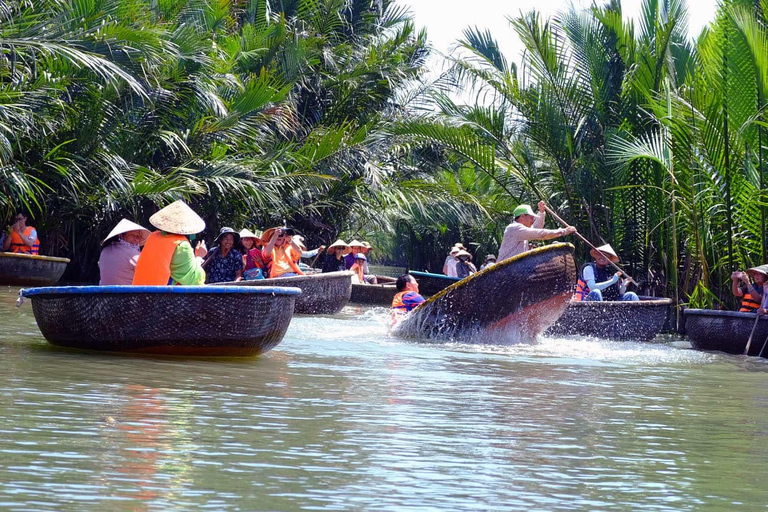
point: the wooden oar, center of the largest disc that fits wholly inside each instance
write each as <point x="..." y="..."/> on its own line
<point x="757" y="319"/>
<point x="565" y="224"/>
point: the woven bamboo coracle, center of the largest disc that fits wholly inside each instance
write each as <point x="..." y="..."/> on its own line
<point x="515" y="300"/>
<point x="28" y="270"/>
<point x="378" y="294"/>
<point x="726" y="331"/>
<point x="173" y="320"/>
<point x="614" y="320"/>
<point x="430" y="284"/>
<point x="321" y="294"/>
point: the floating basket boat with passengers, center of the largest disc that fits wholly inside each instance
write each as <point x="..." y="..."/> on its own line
<point x="430" y="284"/>
<point x="380" y="294"/>
<point x="614" y="320"/>
<point x="514" y="300"/>
<point x="172" y="320"/>
<point x="30" y="270"/>
<point x="321" y="294"/>
<point x="726" y="331"/>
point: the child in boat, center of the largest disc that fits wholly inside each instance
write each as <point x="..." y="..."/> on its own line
<point x="407" y="297"/>
<point x="358" y="268"/>
<point x="594" y="281"/>
<point x="751" y="294"/>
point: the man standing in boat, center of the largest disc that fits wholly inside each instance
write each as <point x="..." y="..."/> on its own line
<point x="525" y="227"/>
<point x="596" y="282"/>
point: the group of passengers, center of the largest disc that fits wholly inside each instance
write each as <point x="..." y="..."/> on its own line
<point x="353" y="257"/>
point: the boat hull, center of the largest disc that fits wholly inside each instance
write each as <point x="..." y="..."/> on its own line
<point x="378" y="294"/>
<point x="29" y="270"/>
<point x="725" y="331"/>
<point x="614" y="320"/>
<point x="512" y="301"/>
<point x="321" y="294"/>
<point x="430" y="284"/>
<point x="168" y="320"/>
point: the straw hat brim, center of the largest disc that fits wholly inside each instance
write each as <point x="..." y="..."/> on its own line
<point x="178" y="218"/>
<point x="356" y="243"/>
<point x="246" y="233"/>
<point x="464" y="253"/>
<point x="125" y="226"/>
<point x="761" y="269"/>
<point x="605" y="250"/>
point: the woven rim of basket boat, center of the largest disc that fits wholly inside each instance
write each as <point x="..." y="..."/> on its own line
<point x="654" y="301"/>
<point x="327" y="276"/>
<point x="721" y="314"/>
<point x="97" y="291"/>
<point x="498" y="266"/>
<point x="33" y="257"/>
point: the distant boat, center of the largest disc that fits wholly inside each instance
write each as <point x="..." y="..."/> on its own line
<point x="321" y="294"/>
<point x="513" y="300"/>
<point x="725" y="331"/>
<point x="30" y="270"/>
<point x="379" y="294"/>
<point x="430" y="284"/>
<point x="614" y="320"/>
<point x="169" y="320"/>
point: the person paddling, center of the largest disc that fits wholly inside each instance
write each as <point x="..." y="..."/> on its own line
<point x="120" y="253"/>
<point x="407" y="297"/>
<point x="167" y="257"/>
<point x="596" y="282"/>
<point x="525" y="227"/>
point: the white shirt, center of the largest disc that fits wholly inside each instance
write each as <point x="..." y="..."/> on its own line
<point x="450" y="266"/>
<point x="516" y="236"/>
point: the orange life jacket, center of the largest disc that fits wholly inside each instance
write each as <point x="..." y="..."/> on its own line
<point x="748" y="304"/>
<point x="18" y="245"/>
<point x="283" y="261"/>
<point x="154" y="265"/>
<point x="582" y="290"/>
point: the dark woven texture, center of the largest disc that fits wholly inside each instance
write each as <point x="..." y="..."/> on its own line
<point x="27" y="270"/>
<point x="430" y="284"/>
<point x="532" y="289"/>
<point x="179" y="324"/>
<point x="636" y="321"/>
<point x="321" y="294"/>
<point x="380" y="294"/>
<point x="726" y="331"/>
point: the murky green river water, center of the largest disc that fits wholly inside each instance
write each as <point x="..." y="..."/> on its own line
<point x="341" y="417"/>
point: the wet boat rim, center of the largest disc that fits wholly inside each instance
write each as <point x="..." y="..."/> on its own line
<point x="181" y="290"/>
<point x="33" y="257"/>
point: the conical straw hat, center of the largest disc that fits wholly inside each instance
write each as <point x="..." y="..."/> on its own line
<point x="336" y="245"/>
<point x="124" y="226"/>
<point x="762" y="269"/>
<point x="355" y="243"/>
<point x="246" y="233"/>
<point x="607" y="250"/>
<point x="178" y="218"/>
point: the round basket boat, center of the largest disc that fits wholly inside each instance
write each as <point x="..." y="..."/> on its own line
<point x="378" y="294"/>
<point x="321" y="294"/>
<point x="614" y="320"/>
<point x="430" y="284"/>
<point x="29" y="270"/>
<point x="515" y="300"/>
<point x="726" y="331"/>
<point x="170" y="320"/>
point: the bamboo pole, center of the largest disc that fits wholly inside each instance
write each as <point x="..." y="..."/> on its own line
<point x="565" y="224"/>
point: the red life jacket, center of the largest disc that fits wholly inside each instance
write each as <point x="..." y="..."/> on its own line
<point x="18" y="245"/>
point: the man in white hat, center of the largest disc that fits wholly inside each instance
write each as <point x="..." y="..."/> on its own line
<point x="525" y="227"/>
<point x="596" y="281"/>
<point x="449" y="267"/>
<point x="168" y="257"/>
<point x="120" y="253"/>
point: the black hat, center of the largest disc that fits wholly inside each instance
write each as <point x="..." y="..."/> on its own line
<point x="227" y="231"/>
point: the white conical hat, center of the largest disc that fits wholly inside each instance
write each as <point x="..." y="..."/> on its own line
<point x="355" y="243"/>
<point x="124" y="226"/>
<point x="247" y="233"/>
<point x="178" y="218"/>
<point x="606" y="250"/>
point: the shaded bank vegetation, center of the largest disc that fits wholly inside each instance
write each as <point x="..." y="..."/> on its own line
<point x="317" y="112"/>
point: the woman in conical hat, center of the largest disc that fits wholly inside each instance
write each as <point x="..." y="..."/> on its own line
<point x="253" y="261"/>
<point x="751" y="293"/>
<point x="168" y="257"/>
<point x="120" y="253"/>
<point x="597" y="282"/>
<point x="334" y="256"/>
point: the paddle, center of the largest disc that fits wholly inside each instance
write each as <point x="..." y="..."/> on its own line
<point x="565" y="224"/>
<point x="757" y="319"/>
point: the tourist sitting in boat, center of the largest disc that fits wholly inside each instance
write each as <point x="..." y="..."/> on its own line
<point x="359" y="276"/>
<point x="120" y="253"/>
<point x="20" y="238"/>
<point x="355" y="248"/>
<point x="596" y="282"/>
<point x="406" y="298"/>
<point x="449" y="267"/>
<point x="253" y="260"/>
<point x="366" y="250"/>
<point x="224" y="263"/>
<point x="464" y="265"/>
<point x="751" y="293"/>
<point x="168" y="257"/>
<point x="334" y="257"/>
<point x="489" y="260"/>
<point x="282" y="253"/>
<point x="525" y="227"/>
